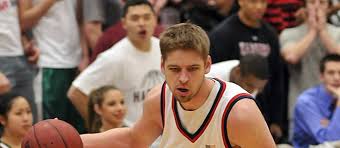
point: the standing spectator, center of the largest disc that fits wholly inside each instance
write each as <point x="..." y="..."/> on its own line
<point x="317" y="110"/>
<point x="106" y="109"/>
<point x="132" y="64"/>
<point x="56" y="31"/>
<point x="15" y="119"/>
<point x="16" y="72"/>
<point x="303" y="46"/>
<point x="246" y="33"/>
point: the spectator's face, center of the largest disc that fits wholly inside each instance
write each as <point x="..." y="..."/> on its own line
<point x="331" y="74"/>
<point x="323" y="4"/>
<point x="184" y="72"/>
<point x="252" y="84"/>
<point x="139" y="22"/>
<point x="19" y="118"/>
<point x="253" y="10"/>
<point x="112" y="110"/>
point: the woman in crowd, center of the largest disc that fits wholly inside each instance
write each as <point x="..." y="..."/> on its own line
<point x="15" y="118"/>
<point x="106" y="109"/>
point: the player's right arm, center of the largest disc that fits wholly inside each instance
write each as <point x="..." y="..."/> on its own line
<point x="141" y="134"/>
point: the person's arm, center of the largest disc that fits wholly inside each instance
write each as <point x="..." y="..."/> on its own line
<point x="310" y="116"/>
<point x="140" y="135"/>
<point x="30" y="15"/>
<point x="92" y="30"/>
<point x="85" y="60"/>
<point x="79" y="100"/>
<point x="5" y="85"/>
<point x="247" y="127"/>
<point x="293" y="52"/>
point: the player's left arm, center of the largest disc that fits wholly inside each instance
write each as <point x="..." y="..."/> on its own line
<point x="247" y="127"/>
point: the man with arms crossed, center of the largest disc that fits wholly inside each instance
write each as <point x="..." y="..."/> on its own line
<point x="190" y="110"/>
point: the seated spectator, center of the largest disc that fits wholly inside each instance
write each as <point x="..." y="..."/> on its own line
<point x="317" y="111"/>
<point x="251" y="72"/>
<point x="15" y="118"/>
<point x="106" y="109"/>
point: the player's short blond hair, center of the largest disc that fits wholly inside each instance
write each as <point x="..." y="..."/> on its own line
<point x="184" y="36"/>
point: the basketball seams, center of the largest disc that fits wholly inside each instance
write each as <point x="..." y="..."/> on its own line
<point x="61" y="136"/>
<point x="35" y="137"/>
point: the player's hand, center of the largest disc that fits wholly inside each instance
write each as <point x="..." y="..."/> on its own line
<point x="5" y="85"/>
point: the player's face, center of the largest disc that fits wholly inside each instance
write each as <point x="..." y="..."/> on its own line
<point x="139" y="22"/>
<point x="331" y="74"/>
<point x="19" y="118"/>
<point x="253" y="10"/>
<point x="112" y="110"/>
<point x="184" y="72"/>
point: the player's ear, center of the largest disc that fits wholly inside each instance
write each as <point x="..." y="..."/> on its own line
<point x="208" y="63"/>
<point x="2" y="120"/>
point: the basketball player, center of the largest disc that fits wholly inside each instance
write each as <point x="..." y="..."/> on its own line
<point x="190" y="110"/>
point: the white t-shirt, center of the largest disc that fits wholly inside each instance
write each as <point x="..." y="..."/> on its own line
<point x="222" y="70"/>
<point x="57" y="36"/>
<point x="10" y="41"/>
<point x="132" y="71"/>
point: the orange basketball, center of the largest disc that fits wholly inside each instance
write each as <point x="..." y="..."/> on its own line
<point x="52" y="133"/>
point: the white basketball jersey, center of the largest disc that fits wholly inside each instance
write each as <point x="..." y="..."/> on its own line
<point x="204" y="127"/>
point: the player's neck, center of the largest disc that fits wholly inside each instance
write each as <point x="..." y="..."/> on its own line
<point x="11" y="139"/>
<point x="199" y="99"/>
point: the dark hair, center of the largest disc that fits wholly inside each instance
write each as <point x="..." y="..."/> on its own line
<point x="6" y="102"/>
<point x="254" y="64"/>
<point x="96" y="97"/>
<point x="328" y="58"/>
<point x="130" y="3"/>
